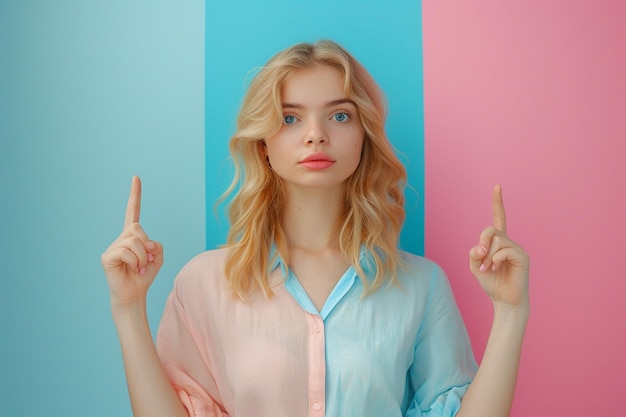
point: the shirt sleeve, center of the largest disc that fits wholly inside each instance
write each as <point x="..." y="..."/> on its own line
<point x="184" y="362"/>
<point x="444" y="364"/>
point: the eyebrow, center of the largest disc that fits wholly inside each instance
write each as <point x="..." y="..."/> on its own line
<point x="329" y="104"/>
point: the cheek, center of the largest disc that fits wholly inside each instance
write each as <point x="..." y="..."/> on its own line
<point x="358" y="145"/>
<point x="271" y="147"/>
<point x="356" y="152"/>
<point x="278" y="154"/>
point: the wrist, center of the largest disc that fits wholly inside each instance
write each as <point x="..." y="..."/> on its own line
<point x="511" y="315"/>
<point x="128" y="311"/>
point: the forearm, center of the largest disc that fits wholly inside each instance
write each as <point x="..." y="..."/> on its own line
<point x="151" y="393"/>
<point x="491" y="392"/>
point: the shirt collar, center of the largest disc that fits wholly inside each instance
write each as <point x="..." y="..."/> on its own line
<point x="365" y="259"/>
<point x="345" y="283"/>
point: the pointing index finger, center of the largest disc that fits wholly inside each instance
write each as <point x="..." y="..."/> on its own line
<point x="499" y="215"/>
<point x="133" y="207"/>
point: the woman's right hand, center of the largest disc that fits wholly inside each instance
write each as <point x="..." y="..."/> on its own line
<point x="132" y="261"/>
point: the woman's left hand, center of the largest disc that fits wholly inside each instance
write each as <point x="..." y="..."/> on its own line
<point x="501" y="265"/>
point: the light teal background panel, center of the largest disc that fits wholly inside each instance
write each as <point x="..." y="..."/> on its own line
<point x="90" y="94"/>
<point x="384" y="35"/>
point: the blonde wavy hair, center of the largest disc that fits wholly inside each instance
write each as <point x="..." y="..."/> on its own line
<point x="374" y="202"/>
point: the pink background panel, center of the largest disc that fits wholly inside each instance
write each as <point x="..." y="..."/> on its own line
<point x="533" y="95"/>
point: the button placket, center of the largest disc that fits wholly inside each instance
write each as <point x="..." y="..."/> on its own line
<point x="317" y="364"/>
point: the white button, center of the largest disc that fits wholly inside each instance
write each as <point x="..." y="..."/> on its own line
<point x="316" y="328"/>
<point x="316" y="407"/>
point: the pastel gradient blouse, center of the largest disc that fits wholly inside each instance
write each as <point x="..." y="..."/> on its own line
<point x="402" y="351"/>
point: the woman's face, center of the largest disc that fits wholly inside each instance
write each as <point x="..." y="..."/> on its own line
<point x="319" y="144"/>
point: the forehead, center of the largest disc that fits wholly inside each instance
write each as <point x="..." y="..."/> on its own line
<point x="318" y="83"/>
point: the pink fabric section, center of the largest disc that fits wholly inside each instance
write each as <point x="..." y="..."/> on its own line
<point x="218" y="350"/>
<point x="533" y="95"/>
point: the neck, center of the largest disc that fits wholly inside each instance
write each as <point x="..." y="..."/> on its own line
<point x="311" y="218"/>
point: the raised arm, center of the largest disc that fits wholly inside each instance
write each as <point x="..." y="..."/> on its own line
<point x="502" y="268"/>
<point x="130" y="264"/>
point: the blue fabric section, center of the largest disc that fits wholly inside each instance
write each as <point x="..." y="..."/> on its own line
<point x="416" y="358"/>
<point x="385" y="36"/>
<point x="427" y="342"/>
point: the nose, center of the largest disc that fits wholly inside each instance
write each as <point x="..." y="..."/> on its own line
<point x="316" y="132"/>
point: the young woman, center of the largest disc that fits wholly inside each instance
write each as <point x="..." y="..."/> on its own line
<point x="311" y="309"/>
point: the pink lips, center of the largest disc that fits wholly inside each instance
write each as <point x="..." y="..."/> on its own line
<point x="317" y="160"/>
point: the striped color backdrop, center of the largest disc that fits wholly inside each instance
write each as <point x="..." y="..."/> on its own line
<point x="530" y="94"/>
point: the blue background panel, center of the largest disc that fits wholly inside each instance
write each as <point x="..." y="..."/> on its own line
<point x="91" y="93"/>
<point x="384" y="36"/>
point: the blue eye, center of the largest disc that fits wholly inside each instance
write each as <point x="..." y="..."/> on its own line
<point x="289" y="119"/>
<point x="341" y="117"/>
